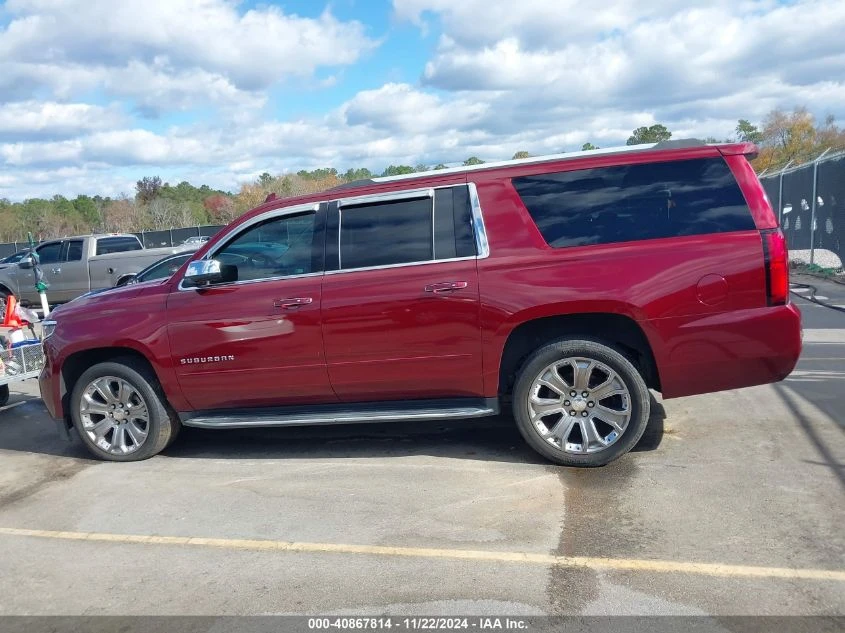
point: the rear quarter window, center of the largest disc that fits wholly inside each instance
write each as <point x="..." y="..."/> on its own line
<point x="106" y="245"/>
<point x="635" y="202"/>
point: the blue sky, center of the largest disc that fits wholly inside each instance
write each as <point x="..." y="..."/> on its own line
<point x="95" y="94"/>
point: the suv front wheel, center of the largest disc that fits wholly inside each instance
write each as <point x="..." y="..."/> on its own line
<point x="579" y="402"/>
<point x="119" y="411"/>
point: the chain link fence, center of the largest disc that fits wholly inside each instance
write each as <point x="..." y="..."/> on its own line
<point x="150" y="239"/>
<point x="810" y="203"/>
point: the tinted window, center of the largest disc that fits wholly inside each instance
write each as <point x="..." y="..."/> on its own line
<point x="73" y="252"/>
<point x="277" y="247"/>
<point x="395" y="232"/>
<point x="635" y="202"/>
<point x="49" y="253"/>
<point x="453" y="234"/>
<point x="163" y="269"/>
<point x="106" y="245"/>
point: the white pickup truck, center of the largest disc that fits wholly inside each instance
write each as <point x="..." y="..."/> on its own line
<point x="75" y="265"/>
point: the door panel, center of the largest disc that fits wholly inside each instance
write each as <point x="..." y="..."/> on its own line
<point x="69" y="276"/>
<point x="256" y="342"/>
<point x="405" y="324"/>
<point x="388" y="338"/>
<point x="233" y="347"/>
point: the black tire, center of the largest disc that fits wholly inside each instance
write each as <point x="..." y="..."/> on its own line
<point x="162" y="427"/>
<point x="640" y="400"/>
<point x="4" y="395"/>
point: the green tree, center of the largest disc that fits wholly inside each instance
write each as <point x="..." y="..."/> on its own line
<point x="420" y="167"/>
<point x="88" y="210"/>
<point x="439" y="166"/>
<point x="397" y="170"/>
<point x="520" y="155"/>
<point x="652" y="134"/>
<point x="589" y="146"/>
<point x="747" y="132"/>
<point x="473" y="160"/>
<point x="147" y="189"/>
<point x="361" y="173"/>
<point x="265" y="179"/>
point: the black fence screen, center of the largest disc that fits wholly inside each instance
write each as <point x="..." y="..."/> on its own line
<point x="812" y="236"/>
<point x="150" y="239"/>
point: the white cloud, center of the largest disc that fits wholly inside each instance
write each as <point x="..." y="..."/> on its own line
<point x="539" y="75"/>
<point x="33" y="119"/>
<point x="115" y="44"/>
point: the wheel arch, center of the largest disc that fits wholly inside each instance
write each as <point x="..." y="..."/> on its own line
<point x="78" y="362"/>
<point x="616" y="330"/>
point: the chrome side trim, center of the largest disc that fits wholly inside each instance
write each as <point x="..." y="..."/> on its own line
<point x="481" y="243"/>
<point x="402" y="265"/>
<point x="350" y="417"/>
<point x="404" y="194"/>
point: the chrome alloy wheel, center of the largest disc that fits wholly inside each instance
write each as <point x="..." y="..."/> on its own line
<point x="114" y="415"/>
<point x="579" y="405"/>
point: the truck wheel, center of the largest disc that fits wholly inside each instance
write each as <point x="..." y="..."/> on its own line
<point x="4" y="395"/>
<point x="120" y="412"/>
<point x="579" y="402"/>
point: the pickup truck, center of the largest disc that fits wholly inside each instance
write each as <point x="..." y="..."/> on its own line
<point x="76" y="265"/>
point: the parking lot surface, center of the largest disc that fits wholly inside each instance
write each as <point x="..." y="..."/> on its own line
<point x="731" y="504"/>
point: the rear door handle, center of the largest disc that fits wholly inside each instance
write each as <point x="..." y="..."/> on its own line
<point x="446" y="286"/>
<point x="292" y="302"/>
<point x="56" y="271"/>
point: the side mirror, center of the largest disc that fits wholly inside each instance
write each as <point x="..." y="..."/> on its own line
<point x="205" y="272"/>
<point x="27" y="262"/>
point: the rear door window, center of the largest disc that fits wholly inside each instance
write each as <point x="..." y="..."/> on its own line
<point x="420" y="228"/>
<point x="386" y="233"/>
<point x="106" y="245"/>
<point x="635" y="202"/>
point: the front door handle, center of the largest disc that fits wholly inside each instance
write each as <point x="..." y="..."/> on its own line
<point x="292" y="302"/>
<point x="446" y="286"/>
<point x="56" y="271"/>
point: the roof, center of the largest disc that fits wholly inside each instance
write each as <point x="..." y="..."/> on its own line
<point x="453" y="173"/>
<point x="661" y="146"/>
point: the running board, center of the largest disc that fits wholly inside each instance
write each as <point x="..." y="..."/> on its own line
<point x="343" y="414"/>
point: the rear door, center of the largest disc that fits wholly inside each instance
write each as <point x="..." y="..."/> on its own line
<point x="401" y="301"/>
<point x="69" y="276"/>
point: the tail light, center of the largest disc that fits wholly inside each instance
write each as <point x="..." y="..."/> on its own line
<point x="777" y="267"/>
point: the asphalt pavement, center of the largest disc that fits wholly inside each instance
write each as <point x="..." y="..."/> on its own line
<point x="732" y="504"/>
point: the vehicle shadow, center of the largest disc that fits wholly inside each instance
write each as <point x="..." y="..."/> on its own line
<point x="26" y="427"/>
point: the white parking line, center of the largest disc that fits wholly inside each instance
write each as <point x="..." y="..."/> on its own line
<point x="821" y="335"/>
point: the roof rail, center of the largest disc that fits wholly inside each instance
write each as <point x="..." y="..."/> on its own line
<point x="680" y="143"/>
<point x="662" y="145"/>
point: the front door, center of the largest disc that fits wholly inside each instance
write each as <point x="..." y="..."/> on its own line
<point x="401" y="308"/>
<point x="256" y="342"/>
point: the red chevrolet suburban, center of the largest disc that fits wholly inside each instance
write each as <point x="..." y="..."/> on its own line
<point x="563" y="286"/>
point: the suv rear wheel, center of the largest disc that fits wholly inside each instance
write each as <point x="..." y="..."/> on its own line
<point x="119" y="411"/>
<point x="579" y="402"/>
